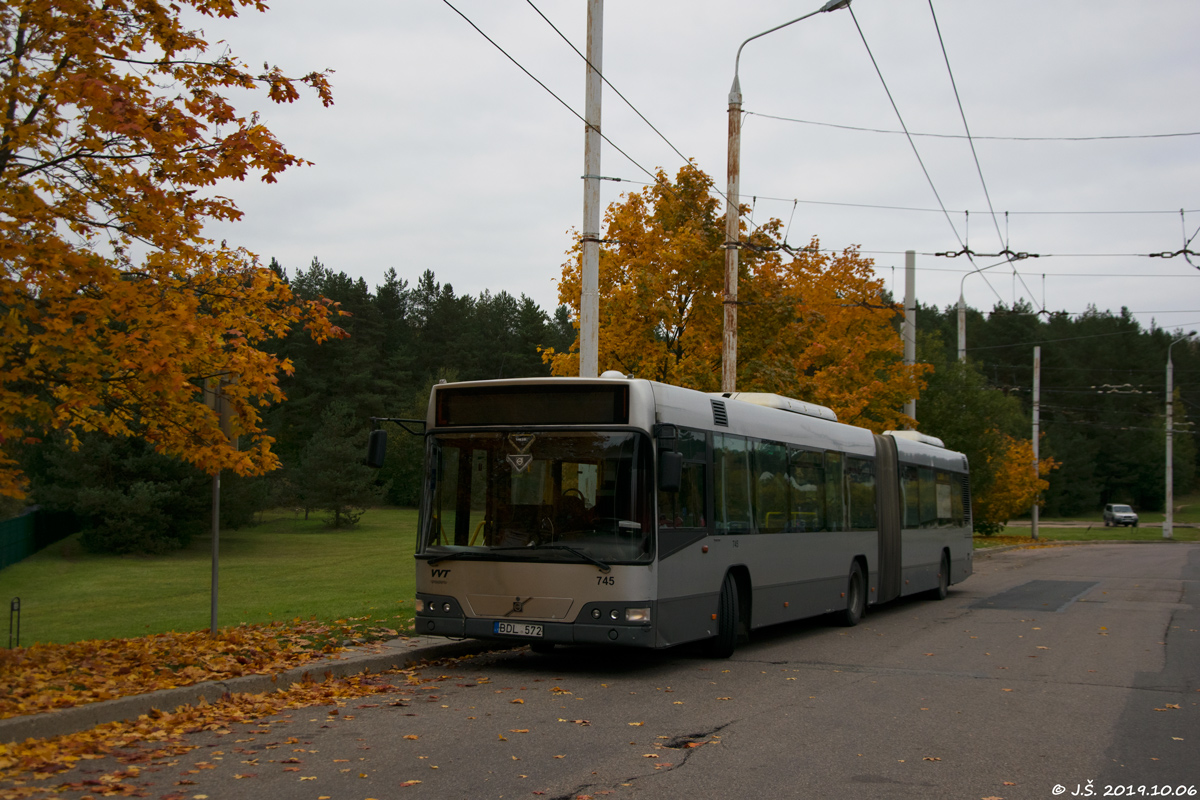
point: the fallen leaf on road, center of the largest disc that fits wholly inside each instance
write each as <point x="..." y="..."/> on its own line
<point x="411" y="736"/>
<point x="517" y="700"/>
<point x="406" y="783"/>
<point x="636" y="724"/>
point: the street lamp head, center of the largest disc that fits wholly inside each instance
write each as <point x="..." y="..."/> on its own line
<point x="834" y="5"/>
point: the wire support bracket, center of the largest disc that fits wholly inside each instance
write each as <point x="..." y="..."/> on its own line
<point x="1005" y="253"/>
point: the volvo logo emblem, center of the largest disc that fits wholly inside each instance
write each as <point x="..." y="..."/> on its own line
<point x="519" y="605"/>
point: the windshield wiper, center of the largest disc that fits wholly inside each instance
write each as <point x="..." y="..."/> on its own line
<point x="472" y="555"/>
<point x="523" y="548"/>
<point x="576" y="551"/>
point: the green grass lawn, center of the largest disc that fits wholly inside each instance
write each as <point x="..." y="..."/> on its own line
<point x="285" y="567"/>
<point x="1098" y="533"/>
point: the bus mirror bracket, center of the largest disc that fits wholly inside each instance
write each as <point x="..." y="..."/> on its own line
<point x="377" y="441"/>
<point x="667" y="436"/>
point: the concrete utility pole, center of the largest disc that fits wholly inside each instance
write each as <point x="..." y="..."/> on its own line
<point x="910" y="319"/>
<point x="732" y="201"/>
<point x="589" y="301"/>
<point x="1037" y="406"/>
<point x="1169" y="511"/>
<point x="214" y="398"/>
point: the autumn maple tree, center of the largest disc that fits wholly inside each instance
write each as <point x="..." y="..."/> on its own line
<point x="1012" y="486"/>
<point x="812" y="325"/>
<point x="114" y="307"/>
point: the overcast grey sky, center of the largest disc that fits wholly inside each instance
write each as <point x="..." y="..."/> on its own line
<point x="440" y="153"/>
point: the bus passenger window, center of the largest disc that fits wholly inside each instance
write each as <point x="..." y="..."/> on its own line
<point x="835" y="505"/>
<point x="956" y="501"/>
<point x="771" y="487"/>
<point x="945" y="504"/>
<point x="910" y="490"/>
<point x="860" y="480"/>
<point x="928" y="498"/>
<point x="731" y="461"/>
<point x="806" y="475"/>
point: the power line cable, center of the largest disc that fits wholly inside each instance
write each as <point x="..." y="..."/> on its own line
<point x="608" y="82"/>
<point x="913" y="145"/>
<point x="1064" y="339"/>
<point x="794" y="200"/>
<point x="900" y="117"/>
<point x="963" y="115"/>
<point x="549" y="91"/>
<point x="977" y="137"/>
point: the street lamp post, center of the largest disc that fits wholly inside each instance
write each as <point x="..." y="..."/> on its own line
<point x="1169" y="515"/>
<point x="962" y="309"/>
<point x="729" y="343"/>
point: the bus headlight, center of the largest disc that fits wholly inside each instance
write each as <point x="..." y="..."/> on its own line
<point x="637" y="615"/>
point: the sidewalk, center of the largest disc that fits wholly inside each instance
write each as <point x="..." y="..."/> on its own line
<point x="394" y="654"/>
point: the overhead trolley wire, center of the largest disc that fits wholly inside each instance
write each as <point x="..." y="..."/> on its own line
<point x="900" y="117"/>
<point x="975" y="136"/>
<point x="608" y="82"/>
<point x="549" y="90"/>
<point x="963" y="115"/>
<point x="1065" y="339"/>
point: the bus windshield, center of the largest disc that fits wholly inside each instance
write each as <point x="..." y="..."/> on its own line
<point x="539" y="495"/>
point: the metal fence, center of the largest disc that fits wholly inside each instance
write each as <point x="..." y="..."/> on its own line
<point x="21" y="537"/>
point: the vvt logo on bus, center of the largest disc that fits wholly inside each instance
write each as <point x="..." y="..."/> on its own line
<point x="441" y="573"/>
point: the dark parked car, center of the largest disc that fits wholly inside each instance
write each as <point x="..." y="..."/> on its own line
<point x="1119" y="514"/>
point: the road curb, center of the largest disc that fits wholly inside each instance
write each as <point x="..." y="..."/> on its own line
<point x="981" y="551"/>
<point x="396" y="654"/>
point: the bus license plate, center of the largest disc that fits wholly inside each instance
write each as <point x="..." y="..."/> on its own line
<point x="519" y="629"/>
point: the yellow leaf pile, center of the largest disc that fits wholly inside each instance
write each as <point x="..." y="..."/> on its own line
<point x="158" y="735"/>
<point x="45" y="677"/>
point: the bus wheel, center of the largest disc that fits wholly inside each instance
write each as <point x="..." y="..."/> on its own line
<point x="728" y="616"/>
<point x="856" y="598"/>
<point x="943" y="587"/>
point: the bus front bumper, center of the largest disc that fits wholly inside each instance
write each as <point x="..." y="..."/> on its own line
<point x="552" y="632"/>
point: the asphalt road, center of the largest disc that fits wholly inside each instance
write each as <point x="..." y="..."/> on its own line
<point x="1048" y="667"/>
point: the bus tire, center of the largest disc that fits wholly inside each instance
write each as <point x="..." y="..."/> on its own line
<point x="943" y="587"/>
<point x="728" y="618"/>
<point x="856" y="598"/>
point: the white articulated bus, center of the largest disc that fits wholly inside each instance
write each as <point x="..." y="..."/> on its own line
<point x="628" y="512"/>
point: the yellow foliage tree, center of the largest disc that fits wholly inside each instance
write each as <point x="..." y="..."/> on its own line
<point x="814" y="327"/>
<point x="114" y="308"/>
<point x="1012" y="485"/>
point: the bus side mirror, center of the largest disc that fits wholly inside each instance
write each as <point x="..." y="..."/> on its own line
<point x="670" y="471"/>
<point x="376" y="448"/>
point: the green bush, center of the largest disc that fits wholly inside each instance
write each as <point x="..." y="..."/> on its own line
<point x="127" y="498"/>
